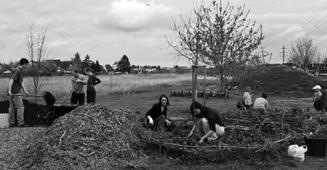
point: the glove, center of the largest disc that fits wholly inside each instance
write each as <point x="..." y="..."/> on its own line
<point x="150" y="120"/>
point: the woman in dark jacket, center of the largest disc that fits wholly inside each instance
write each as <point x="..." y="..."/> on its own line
<point x="157" y="115"/>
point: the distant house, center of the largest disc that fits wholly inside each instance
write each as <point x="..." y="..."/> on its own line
<point x="56" y="62"/>
<point x="65" y="65"/>
<point x="167" y="70"/>
<point x="7" y="73"/>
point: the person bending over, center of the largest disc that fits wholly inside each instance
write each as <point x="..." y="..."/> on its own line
<point x="209" y="124"/>
<point x="261" y="103"/>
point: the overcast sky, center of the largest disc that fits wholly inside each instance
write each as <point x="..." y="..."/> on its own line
<point x="107" y="29"/>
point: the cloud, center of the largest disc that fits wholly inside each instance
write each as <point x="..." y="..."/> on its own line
<point x="132" y="15"/>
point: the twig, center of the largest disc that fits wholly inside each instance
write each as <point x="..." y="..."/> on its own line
<point x="281" y="140"/>
<point x="118" y="120"/>
<point x="208" y="146"/>
<point x="61" y="137"/>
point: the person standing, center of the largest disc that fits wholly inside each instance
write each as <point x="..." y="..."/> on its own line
<point x="78" y="94"/>
<point x="209" y="124"/>
<point x="16" y="84"/>
<point x="157" y="115"/>
<point x="91" y="82"/>
<point x="247" y="96"/>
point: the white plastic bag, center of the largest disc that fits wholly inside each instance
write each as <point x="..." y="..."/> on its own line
<point x="220" y="130"/>
<point x="297" y="152"/>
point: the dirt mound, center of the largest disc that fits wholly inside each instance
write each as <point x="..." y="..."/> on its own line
<point x="89" y="137"/>
<point x="281" y="80"/>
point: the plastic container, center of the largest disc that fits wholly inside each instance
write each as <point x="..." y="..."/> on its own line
<point x="316" y="147"/>
<point x="4" y="120"/>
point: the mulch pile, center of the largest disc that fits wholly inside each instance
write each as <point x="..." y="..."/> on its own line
<point x="281" y="80"/>
<point x="89" y="137"/>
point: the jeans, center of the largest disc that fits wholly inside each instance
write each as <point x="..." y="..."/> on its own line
<point x="16" y="103"/>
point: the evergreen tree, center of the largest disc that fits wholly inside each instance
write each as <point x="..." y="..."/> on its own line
<point x="77" y="62"/>
<point x="124" y="65"/>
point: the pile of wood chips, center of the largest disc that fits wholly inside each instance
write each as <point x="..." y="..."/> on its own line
<point x="89" y="137"/>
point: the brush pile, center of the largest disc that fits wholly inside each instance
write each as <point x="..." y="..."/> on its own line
<point x="252" y="136"/>
<point x="89" y="137"/>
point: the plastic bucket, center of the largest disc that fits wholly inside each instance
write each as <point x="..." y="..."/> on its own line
<point x="316" y="147"/>
<point x="4" y="120"/>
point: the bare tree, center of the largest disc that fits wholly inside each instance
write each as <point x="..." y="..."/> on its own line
<point x="229" y="36"/>
<point x="37" y="52"/>
<point x="303" y="52"/>
<point x="188" y="43"/>
<point x="219" y="36"/>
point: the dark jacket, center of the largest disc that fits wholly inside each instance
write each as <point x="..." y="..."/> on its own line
<point x="213" y="118"/>
<point x="321" y="103"/>
<point x="155" y="111"/>
<point x="91" y="82"/>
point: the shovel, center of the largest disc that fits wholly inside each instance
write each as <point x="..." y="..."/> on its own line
<point x="27" y="95"/>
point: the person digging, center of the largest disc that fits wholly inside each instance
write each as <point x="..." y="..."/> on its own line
<point x="208" y="124"/>
<point x="16" y="85"/>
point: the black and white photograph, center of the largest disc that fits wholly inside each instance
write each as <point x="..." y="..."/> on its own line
<point x="163" y="84"/>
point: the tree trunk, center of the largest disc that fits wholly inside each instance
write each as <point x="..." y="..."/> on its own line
<point x="194" y="83"/>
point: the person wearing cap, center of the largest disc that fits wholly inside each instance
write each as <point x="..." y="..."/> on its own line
<point x="317" y="95"/>
<point x="317" y="92"/>
<point x="208" y="124"/>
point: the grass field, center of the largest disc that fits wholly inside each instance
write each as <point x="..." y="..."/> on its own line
<point x="60" y="86"/>
<point x="143" y="91"/>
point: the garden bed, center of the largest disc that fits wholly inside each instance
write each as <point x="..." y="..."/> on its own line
<point x="250" y="136"/>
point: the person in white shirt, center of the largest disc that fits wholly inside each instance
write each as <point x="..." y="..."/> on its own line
<point x="261" y="103"/>
<point x="247" y="96"/>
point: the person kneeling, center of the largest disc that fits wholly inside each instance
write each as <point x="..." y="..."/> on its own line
<point x="157" y="115"/>
<point x="261" y="103"/>
<point x="209" y="124"/>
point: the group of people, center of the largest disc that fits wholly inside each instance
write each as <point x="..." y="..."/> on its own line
<point x="79" y="80"/>
<point x="260" y="103"/>
<point x="17" y="85"/>
<point x="208" y="122"/>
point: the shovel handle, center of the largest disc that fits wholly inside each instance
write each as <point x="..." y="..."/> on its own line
<point x="27" y="95"/>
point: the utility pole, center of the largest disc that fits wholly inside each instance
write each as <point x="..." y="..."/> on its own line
<point x="283" y="53"/>
<point x="263" y="54"/>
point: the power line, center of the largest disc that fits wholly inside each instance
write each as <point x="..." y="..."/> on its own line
<point x="310" y="18"/>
